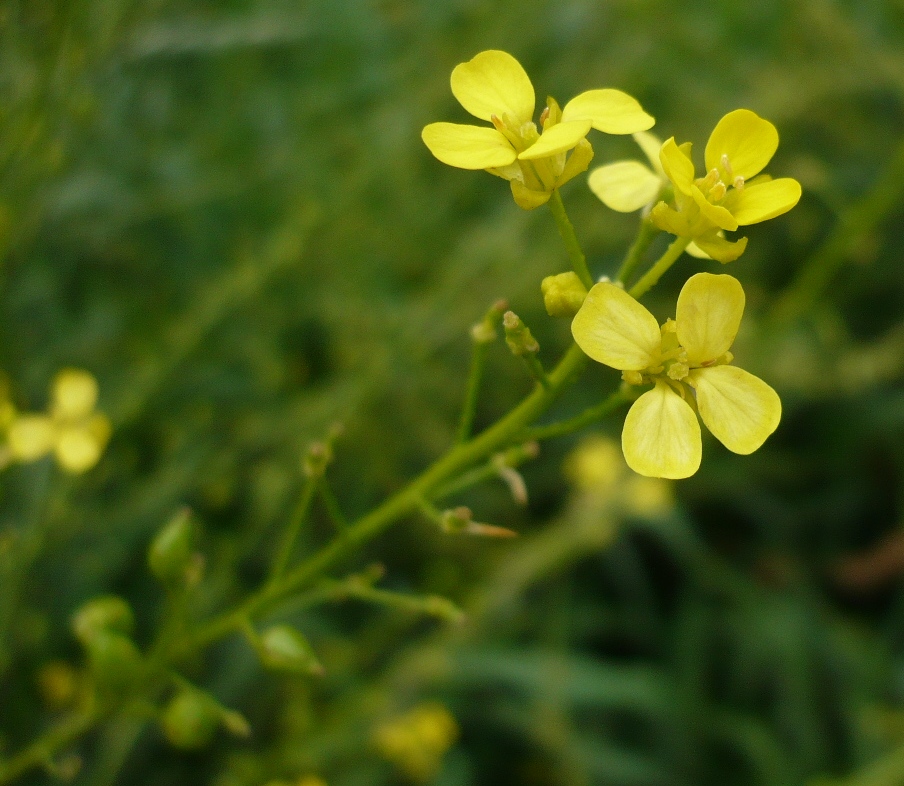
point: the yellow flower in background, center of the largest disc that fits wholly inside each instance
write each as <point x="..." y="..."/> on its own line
<point x="730" y="194"/>
<point x="417" y="741"/>
<point x="687" y="360"/>
<point x="72" y="430"/>
<point x="494" y="87"/>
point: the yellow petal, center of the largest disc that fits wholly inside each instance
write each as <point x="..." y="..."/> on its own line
<point x="661" y="437"/>
<point x="717" y="214"/>
<point x="714" y="245"/>
<point x="526" y="198"/>
<point x="695" y="251"/>
<point x="610" y="111"/>
<point x="468" y="147"/>
<point x="577" y="162"/>
<point x="557" y="139"/>
<point x="613" y="328"/>
<point x="30" y="437"/>
<point x="670" y="220"/>
<point x="677" y="166"/>
<point x="738" y="408"/>
<point x="708" y="315"/>
<point x="493" y="83"/>
<point x="651" y="145"/>
<point x="746" y="139"/>
<point x="74" y="393"/>
<point x="762" y="201"/>
<point x="625" y="186"/>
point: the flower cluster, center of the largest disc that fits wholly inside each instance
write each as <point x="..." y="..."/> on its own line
<point x="71" y="430"/>
<point x="688" y="362"/>
<point x="494" y="87"/>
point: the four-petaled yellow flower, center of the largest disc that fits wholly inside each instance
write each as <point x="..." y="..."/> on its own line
<point x="73" y="431"/>
<point x="687" y="360"/>
<point x="493" y="86"/>
<point x="740" y="146"/>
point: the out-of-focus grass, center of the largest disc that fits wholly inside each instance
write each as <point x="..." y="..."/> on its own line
<point x="225" y="212"/>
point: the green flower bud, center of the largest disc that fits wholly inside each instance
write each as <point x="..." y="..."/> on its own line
<point x="171" y="554"/>
<point x="190" y="719"/>
<point x="108" y="613"/>
<point x="563" y="294"/>
<point x="114" y="659"/>
<point x="283" y="648"/>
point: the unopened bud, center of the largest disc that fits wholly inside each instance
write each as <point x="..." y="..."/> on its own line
<point x="455" y="520"/>
<point x="563" y="294"/>
<point x="114" y="660"/>
<point x="282" y="648"/>
<point x="518" y="335"/>
<point x="316" y="459"/>
<point x="106" y="614"/>
<point x="171" y="554"/>
<point x="190" y="719"/>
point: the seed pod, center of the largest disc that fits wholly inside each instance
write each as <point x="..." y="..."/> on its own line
<point x="283" y="648"/>
<point x="190" y="719"/>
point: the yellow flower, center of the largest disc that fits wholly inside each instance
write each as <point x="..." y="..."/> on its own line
<point x="687" y="360"/>
<point x="493" y="86"/>
<point x="730" y="194"/>
<point x="73" y="431"/>
<point x="417" y="741"/>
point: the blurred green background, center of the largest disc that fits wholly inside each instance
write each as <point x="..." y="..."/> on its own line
<point x="224" y="211"/>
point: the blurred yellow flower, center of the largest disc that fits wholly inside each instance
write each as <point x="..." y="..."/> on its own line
<point x="629" y="185"/>
<point x="494" y="87"/>
<point x="72" y="430"/>
<point x="417" y="741"/>
<point x="687" y="360"/>
<point x="730" y="194"/>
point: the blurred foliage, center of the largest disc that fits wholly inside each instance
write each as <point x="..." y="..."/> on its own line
<point x="224" y="212"/>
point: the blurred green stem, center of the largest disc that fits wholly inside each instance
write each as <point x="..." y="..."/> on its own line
<point x="645" y="234"/>
<point x="853" y="226"/>
<point x="475" y="375"/>
<point x="566" y="230"/>
<point x="296" y="522"/>
<point x="652" y="276"/>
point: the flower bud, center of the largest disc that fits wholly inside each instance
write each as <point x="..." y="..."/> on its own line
<point x="518" y="336"/>
<point x="114" y="659"/>
<point x="171" y="555"/>
<point x="106" y="614"/>
<point x="563" y="294"/>
<point x="283" y="648"/>
<point x="190" y="719"/>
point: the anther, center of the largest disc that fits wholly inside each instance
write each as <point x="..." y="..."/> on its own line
<point x="497" y="122"/>
<point x="718" y="191"/>
<point x="544" y="115"/>
<point x="739" y="183"/>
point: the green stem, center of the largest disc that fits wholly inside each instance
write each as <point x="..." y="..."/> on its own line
<point x="645" y="234"/>
<point x="586" y="418"/>
<point x="856" y="222"/>
<point x="566" y="230"/>
<point x="296" y="522"/>
<point x="397" y="506"/>
<point x="475" y="375"/>
<point x="332" y="506"/>
<point x="649" y="279"/>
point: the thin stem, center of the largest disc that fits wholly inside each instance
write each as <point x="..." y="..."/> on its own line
<point x="645" y="234"/>
<point x="649" y="279"/>
<point x="475" y="375"/>
<point x="856" y="222"/>
<point x="410" y="498"/>
<point x="332" y="506"/>
<point x="566" y="230"/>
<point x="586" y="418"/>
<point x="296" y="522"/>
<point x="535" y="368"/>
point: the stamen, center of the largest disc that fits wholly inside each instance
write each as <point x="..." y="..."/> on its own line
<point x="712" y="177"/>
<point x="726" y="164"/>
<point x="544" y="116"/>
<point x="739" y="183"/>
<point x="718" y="191"/>
<point x="632" y="377"/>
<point x="497" y="122"/>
